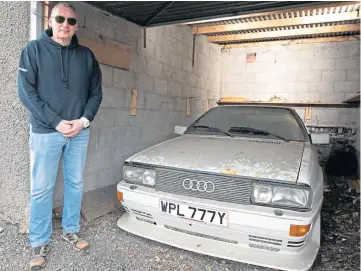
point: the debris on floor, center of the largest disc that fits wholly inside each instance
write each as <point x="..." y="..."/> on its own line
<point x="340" y="243"/>
<point x="354" y="184"/>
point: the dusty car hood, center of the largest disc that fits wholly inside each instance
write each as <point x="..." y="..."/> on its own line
<point x="239" y="156"/>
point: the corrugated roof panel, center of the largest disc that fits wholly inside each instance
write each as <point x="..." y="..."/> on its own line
<point x="268" y="17"/>
<point x="185" y="11"/>
<point x="278" y="16"/>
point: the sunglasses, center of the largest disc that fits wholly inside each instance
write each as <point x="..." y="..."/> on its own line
<point x="60" y="19"/>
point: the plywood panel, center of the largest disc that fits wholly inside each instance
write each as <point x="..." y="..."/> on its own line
<point x="108" y="52"/>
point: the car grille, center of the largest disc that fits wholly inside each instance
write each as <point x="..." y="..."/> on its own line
<point x="265" y="243"/>
<point x="226" y="188"/>
<point x="296" y="243"/>
<point x="201" y="235"/>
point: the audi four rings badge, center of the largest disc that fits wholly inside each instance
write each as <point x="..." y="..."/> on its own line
<point x="201" y="186"/>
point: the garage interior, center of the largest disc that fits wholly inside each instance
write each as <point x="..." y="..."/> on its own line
<point x="166" y="63"/>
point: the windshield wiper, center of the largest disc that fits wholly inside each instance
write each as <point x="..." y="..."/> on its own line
<point x="212" y="128"/>
<point x="255" y="131"/>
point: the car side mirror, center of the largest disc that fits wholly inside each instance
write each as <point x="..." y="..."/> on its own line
<point x="320" y="138"/>
<point x="179" y="130"/>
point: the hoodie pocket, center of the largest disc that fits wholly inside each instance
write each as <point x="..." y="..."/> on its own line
<point x="68" y="109"/>
<point x="58" y="106"/>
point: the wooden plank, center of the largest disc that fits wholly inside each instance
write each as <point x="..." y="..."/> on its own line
<point x="46" y="14"/>
<point x="290" y="42"/>
<point x="234" y="99"/>
<point x="193" y="49"/>
<point x="261" y="14"/>
<point x="188" y="107"/>
<point x="287" y="33"/>
<point x="107" y="51"/>
<point x="292" y="104"/>
<point x="308" y="113"/>
<point x="133" y="106"/>
<point x="277" y="23"/>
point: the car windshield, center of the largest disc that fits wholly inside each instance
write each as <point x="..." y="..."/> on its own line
<point x="263" y="122"/>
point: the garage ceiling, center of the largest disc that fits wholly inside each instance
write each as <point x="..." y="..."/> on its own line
<point x="320" y="23"/>
<point x="233" y="24"/>
<point x="155" y="13"/>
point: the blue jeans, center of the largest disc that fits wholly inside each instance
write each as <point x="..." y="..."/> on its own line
<point x="46" y="150"/>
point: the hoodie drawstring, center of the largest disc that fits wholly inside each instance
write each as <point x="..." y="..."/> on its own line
<point x="64" y="72"/>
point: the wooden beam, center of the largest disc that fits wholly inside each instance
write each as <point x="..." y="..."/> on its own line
<point x="290" y="42"/>
<point x="292" y="104"/>
<point x="193" y="49"/>
<point x="46" y="14"/>
<point x="312" y="7"/>
<point x="133" y="106"/>
<point x="286" y="33"/>
<point x="188" y="107"/>
<point x="278" y="23"/>
<point x="144" y="37"/>
<point x="308" y="113"/>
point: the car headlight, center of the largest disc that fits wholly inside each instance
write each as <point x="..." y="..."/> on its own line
<point x="280" y="195"/>
<point x="139" y="175"/>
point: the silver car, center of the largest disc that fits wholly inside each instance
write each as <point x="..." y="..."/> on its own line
<point x="241" y="183"/>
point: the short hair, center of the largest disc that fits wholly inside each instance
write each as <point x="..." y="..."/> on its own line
<point x="61" y="4"/>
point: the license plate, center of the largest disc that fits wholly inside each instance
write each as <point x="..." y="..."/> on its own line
<point x="205" y="215"/>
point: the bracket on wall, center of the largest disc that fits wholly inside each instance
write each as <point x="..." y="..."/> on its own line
<point x="144" y="37"/>
<point x="133" y="106"/>
<point x="308" y="113"/>
<point x="188" y="106"/>
<point x="194" y="48"/>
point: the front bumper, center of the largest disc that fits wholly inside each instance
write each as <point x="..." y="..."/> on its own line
<point x="254" y="234"/>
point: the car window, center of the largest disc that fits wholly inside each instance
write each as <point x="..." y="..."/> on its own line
<point x="278" y="121"/>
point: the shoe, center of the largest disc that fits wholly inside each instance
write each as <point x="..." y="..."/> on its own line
<point x="77" y="242"/>
<point x="38" y="261"/>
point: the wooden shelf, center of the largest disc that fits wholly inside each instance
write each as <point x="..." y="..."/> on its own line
<point x="291" y="104"/>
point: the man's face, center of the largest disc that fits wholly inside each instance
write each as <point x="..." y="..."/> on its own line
<point x="63" y="30"/>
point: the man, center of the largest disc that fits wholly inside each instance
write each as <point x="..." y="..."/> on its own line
<point x="59" y="82"/>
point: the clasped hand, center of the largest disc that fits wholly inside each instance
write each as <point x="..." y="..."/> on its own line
<point x="70" y="128"/>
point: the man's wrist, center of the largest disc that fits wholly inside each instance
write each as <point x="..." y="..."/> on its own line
<point x="85" y="121"/>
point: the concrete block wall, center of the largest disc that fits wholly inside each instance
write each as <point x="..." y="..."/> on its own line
<point x="327" y="72"/>
<point x="164" y="77"/>
<point x="14" y="129"/>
